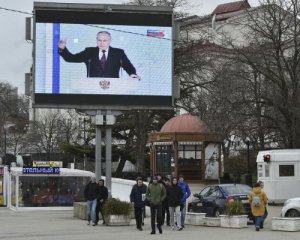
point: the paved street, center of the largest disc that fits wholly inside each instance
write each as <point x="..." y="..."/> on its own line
<point x="46" y="225"/>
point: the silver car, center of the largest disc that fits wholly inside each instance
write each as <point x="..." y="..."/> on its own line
<point x="291" y="208"/>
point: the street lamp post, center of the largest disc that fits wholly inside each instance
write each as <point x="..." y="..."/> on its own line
<point x="248" y="175"/>
<point x="4" y="145"/>
<point x="84" y="146"/>
<point x="83" y="128"/>
<point x="248" y="156"/>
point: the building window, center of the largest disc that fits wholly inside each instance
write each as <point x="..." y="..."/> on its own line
<point x="189" y="161"/>
<point x="164" y="156"/>
<point x="260" y="170"/>
<point x="48" y="191"/>
<point x="267" y="170"/>
<point x="286" y="170"/>
<point x="189" y="155"/>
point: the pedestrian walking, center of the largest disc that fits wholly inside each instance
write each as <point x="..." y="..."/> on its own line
<point x="174" y="195"/>
<point x="165" y="208"/>
<point x="266" y="210"/>
<point x="165" y="204"/>
<point x="102" y="197"/>
<point x="258" y="201"/>
<point x="91" y="193"/>
<point x="186" y="193"/>
<point x="156" y="193"/>
<point x="138" y="197"/>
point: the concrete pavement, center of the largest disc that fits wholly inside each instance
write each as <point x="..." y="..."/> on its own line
<point x="60" y="225"/>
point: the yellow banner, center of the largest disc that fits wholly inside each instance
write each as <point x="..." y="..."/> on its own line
<point x="47" y="164"/>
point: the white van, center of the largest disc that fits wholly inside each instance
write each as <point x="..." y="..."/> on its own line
<point x="280" y="171"/>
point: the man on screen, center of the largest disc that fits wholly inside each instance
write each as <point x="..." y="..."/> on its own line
<point x="101" y="61"/>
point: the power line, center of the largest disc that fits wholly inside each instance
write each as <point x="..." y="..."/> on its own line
<point x="91" y="25"/>
<point x="13" y="10"/>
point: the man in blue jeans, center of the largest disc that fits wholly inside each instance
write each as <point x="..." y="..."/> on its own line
<point x="91" y="193"/>
<point x="186" y="193"/>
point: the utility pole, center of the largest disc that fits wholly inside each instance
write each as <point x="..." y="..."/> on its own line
<point x="84" y="144"/>
<point x="4" y="144"/>
<point x="248" y="179"/>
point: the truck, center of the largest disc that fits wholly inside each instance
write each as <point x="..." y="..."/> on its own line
<point x="279" y="169"/>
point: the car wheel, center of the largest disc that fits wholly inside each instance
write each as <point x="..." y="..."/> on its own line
<point x="217" y="213"/>
<point x="292" y="213"/>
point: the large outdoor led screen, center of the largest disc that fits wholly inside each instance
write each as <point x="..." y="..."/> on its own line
<point x="117" y="59"/>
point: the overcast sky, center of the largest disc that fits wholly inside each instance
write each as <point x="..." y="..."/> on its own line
<point x="16" y="56"/>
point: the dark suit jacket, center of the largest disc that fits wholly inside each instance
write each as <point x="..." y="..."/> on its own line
<point x="90" y="56"/>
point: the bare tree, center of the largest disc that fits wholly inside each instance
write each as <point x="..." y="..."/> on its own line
<point x="133" y="127"/>
<point x="13" y="119"/>
<point x="273" y="54"/>
<point x="17" y="133"/>
<point x="45" y="135"/>
<point x="69" y="127"/>
<point x="178" y="5"/>
<point x="142" y="2"/>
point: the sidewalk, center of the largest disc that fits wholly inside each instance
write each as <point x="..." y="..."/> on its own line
<point x="60" y="225"/>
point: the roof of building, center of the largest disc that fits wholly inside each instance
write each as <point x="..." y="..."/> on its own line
<point x="185" y="123"/>
<point x="231" y="7"/>
<point x="191" y="20"/>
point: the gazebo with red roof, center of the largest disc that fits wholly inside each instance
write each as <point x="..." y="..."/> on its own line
<point x="185" y="145"/>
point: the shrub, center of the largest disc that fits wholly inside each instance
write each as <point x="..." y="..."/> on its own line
<point x="115" y="206"/>
<point x="235" y="207"/>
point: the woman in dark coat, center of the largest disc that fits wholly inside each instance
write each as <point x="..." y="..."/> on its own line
<point x="174" y="195"/>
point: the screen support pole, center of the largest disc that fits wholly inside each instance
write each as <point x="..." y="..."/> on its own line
<point x="108" y="130"/>
<point x="104" y="119"/>
<point x="98" y="153"/>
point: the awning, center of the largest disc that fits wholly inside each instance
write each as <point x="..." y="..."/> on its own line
<point x="17" y="171"/>
<point x="190" y="143"/>
<point x="163" y="143"/>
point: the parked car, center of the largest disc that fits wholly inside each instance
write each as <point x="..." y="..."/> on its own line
<point x="212" y="199"/>
<point x="291" y="208"/>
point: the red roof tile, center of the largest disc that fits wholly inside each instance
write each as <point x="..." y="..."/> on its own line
<point x="231" y="7"/>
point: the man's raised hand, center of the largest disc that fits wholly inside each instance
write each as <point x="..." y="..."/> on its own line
<point x="62" y="44"/>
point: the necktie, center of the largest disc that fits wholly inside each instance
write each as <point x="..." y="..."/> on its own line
<point x="103" y="59"/>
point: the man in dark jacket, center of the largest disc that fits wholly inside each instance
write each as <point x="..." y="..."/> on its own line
<point x="91" y="193"/>
<point x="156" y="193"/>
<point x="186" y="193"/>
<point x="103" y="195"/>
<point x="102" y="61"/>
<point x="137" y="196"/>
<point x="174" y="195"/>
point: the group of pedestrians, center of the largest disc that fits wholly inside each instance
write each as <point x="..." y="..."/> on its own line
<point x="96" y="194"/>
<point x="167" y="200"/>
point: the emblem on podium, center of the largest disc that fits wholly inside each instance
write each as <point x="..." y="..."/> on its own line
<point x="104" y="84"/>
